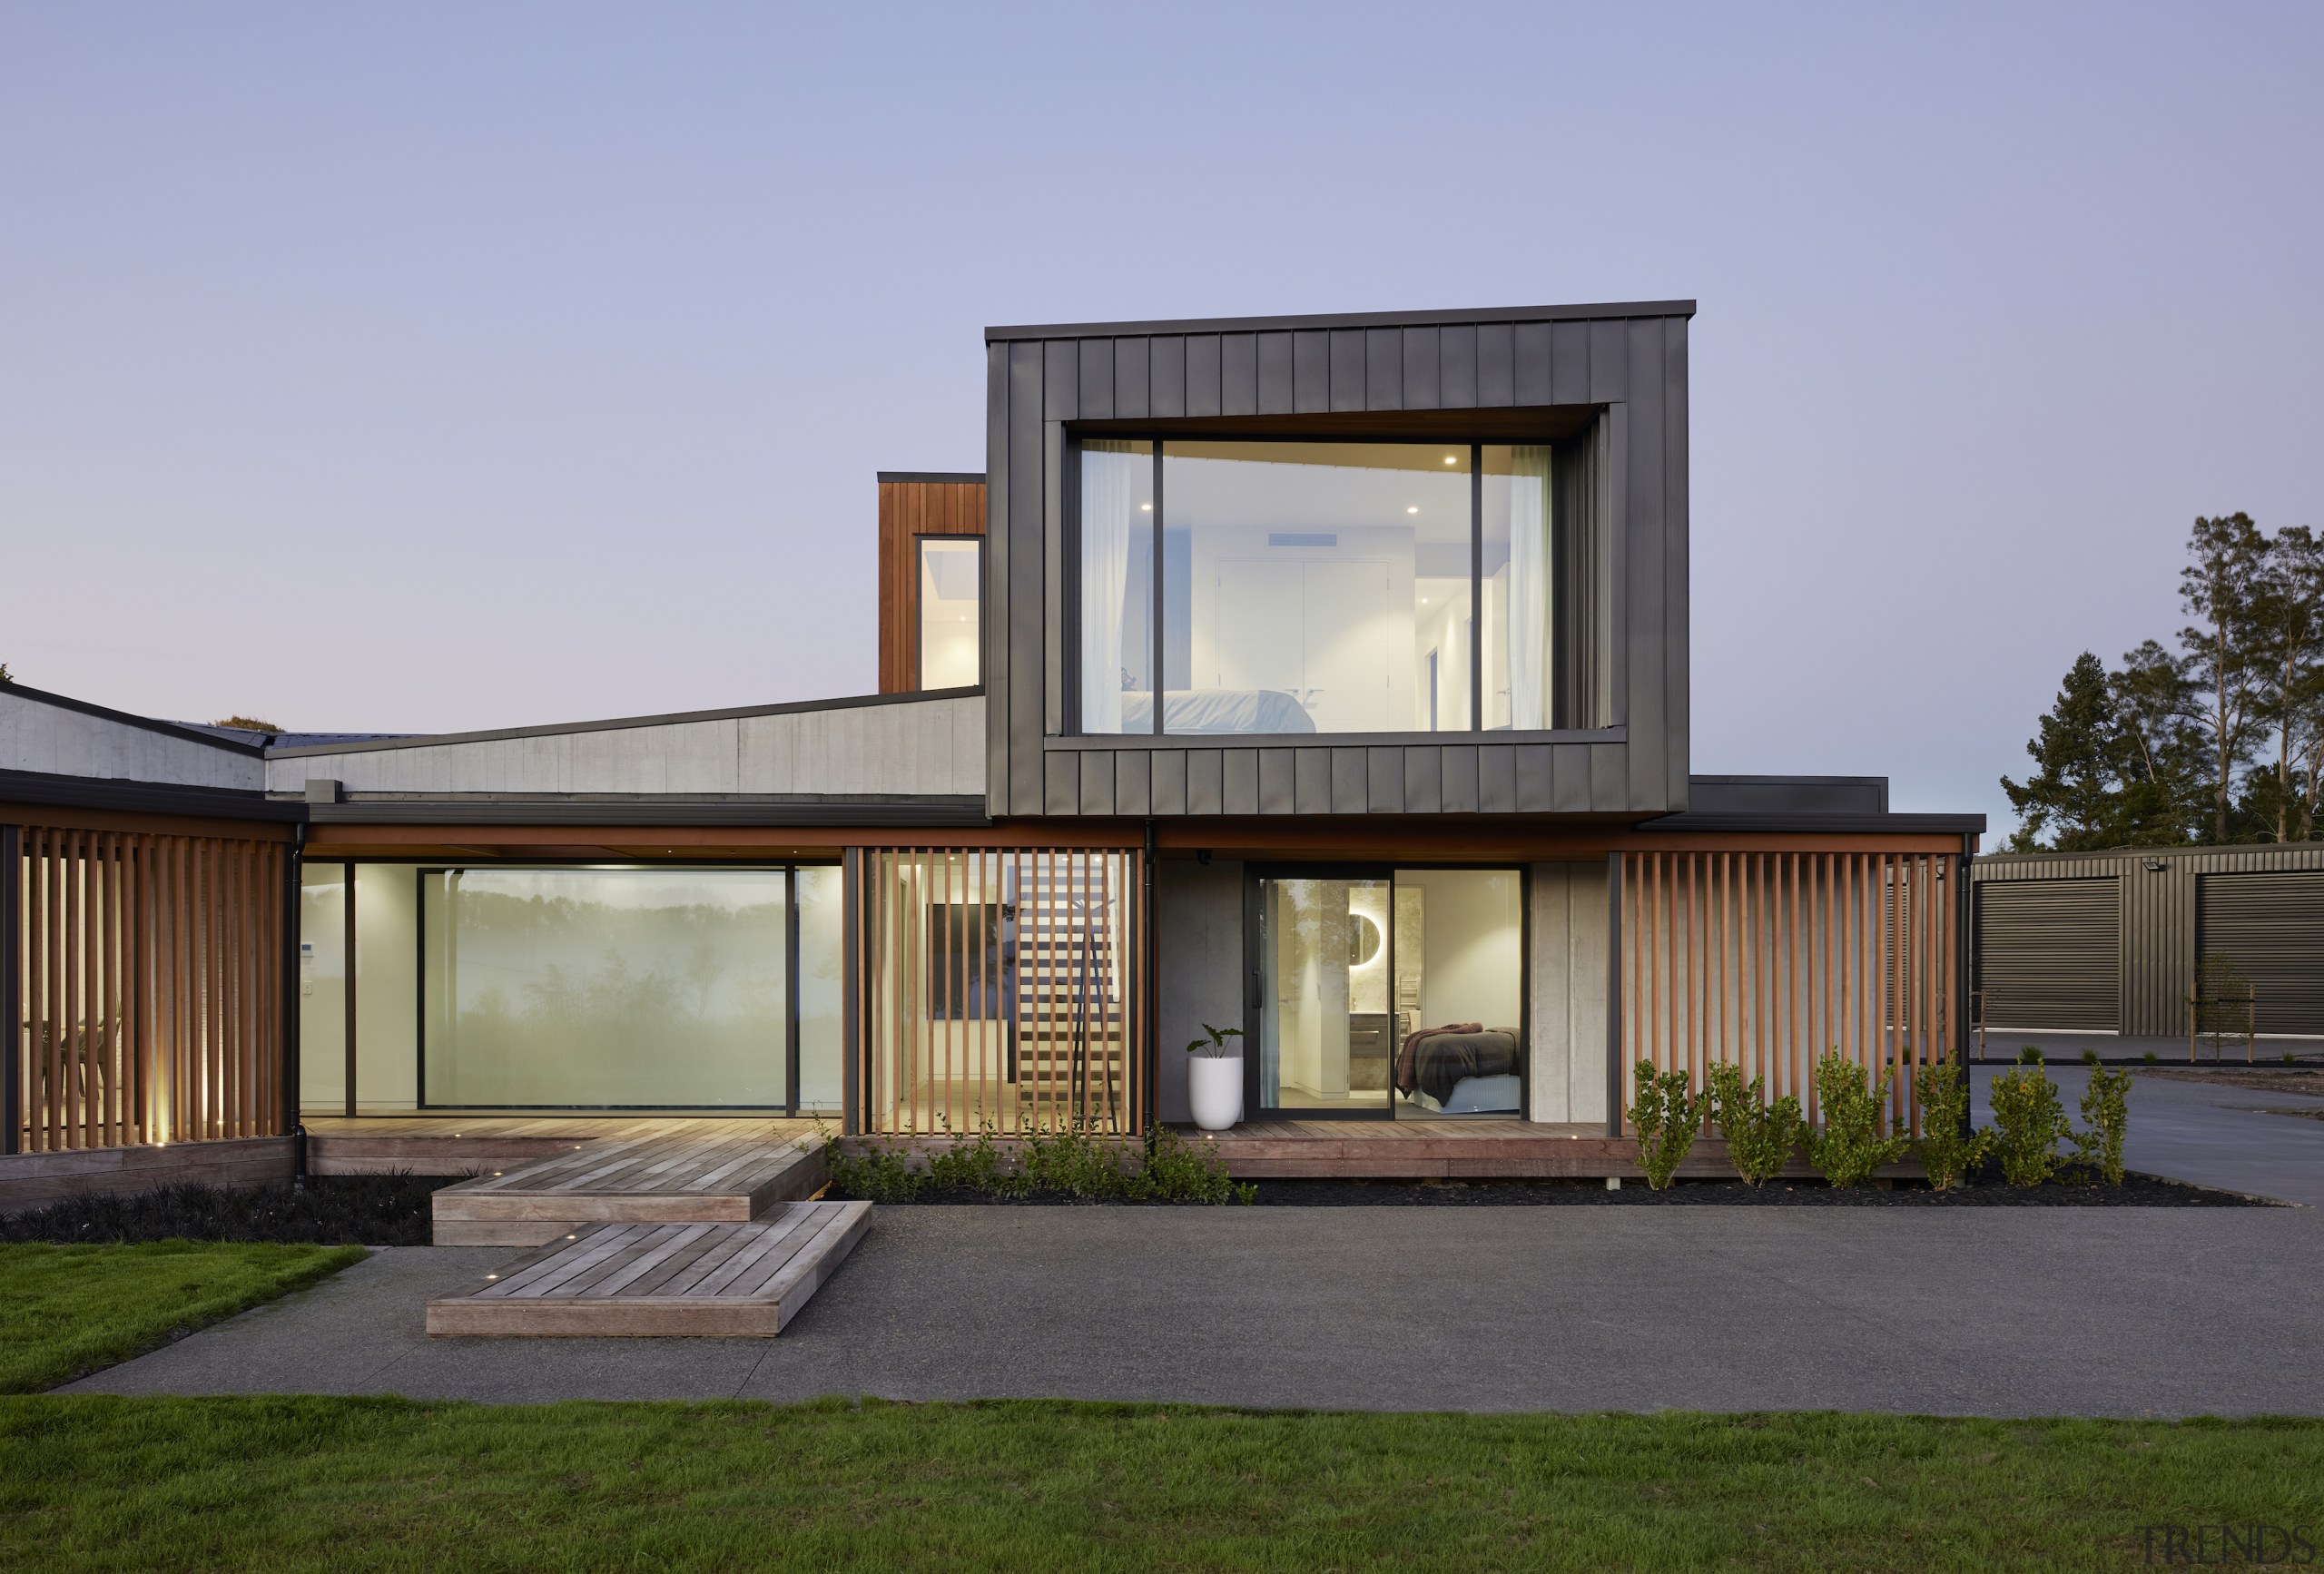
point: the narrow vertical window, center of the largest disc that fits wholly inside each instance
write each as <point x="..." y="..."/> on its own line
<point x="1118" y="590"/>
<point x="1518" y="632"/>
<point x="952" y="583"/>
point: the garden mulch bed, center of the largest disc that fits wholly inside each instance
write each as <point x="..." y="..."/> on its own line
<point x="2259" y="1079"/>
<point x="2137" y="1191"/>
<point x="366" y="1210"/>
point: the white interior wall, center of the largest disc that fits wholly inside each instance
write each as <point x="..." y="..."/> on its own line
<point x="387" y="987"/>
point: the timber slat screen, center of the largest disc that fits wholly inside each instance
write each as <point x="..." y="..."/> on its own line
<point x="1000" y="987"/>
<point x="1768" y="960"/>
<point x="149" y="987"/>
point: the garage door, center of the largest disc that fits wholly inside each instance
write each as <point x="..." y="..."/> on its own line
<point x="2271" y="926"/>
<point x="2050" y="953"/>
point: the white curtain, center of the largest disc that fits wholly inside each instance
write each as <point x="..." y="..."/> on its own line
<point x="1109" y="477"/>
<point x="1528" y="586"/>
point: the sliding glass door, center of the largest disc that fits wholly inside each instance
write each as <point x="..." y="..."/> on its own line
<point x="1386" y="992"/>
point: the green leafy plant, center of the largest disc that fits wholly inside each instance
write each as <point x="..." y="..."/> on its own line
<point x="1852" y="1142"/>
<point x="2028" y="1125"/>
<point x="2090" y="1057"/>
<point x="1076" y="1161"/>
<point x="2105" y="1109"/>
<point x="1214" y="1045"/>
<point x="2029" y="1056"/>
<point x="1668" y="1115"/>
<point x="1760" y="1136"/>
<point x="1178" y="1171"/>
<point x="2151" y="1059"/>
<point x="1949" y="1150"/>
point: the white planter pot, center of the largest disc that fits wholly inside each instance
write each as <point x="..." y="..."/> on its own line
<point x="1214" y="1089"/>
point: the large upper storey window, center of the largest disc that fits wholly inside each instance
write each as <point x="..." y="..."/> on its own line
<point x="1301" y="586"/>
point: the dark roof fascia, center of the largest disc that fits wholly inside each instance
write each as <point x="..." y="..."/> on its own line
<point x="1819" y="824"/>
<point x="103" y="713"/>
<point x="144" y="797"/>
<point x="939" y="477"/>
<point x="933" y="811"/>
<point x="623" y="723"/>
<point x="1345" y="320"/>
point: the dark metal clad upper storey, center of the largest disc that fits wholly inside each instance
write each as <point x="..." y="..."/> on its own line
<point x="1615" y="375"/>
<point x="1580" y="313"/>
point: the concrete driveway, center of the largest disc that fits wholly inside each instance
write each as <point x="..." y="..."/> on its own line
<point x="2000" y="1311"/>
<point x="2207" y="1133"/>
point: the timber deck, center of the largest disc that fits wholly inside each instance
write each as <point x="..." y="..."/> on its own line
<point x="642" y="1279"/>
<point x="1443" y="1149"/>
<point x="477" y="1145"/>
<point x="729" y="1174"/>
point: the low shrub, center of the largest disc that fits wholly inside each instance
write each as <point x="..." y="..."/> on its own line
<point x="2151" y="1059"/>
<point x="1074" y="1162"/>
<point x="2090" y="1057"/>
<point x="1669" y="1116"/>
<point x="2106" y="1109"/>
<point x="2029" y="1056"/>
<point x="355" y="1210"/>
<point x="2028" y="1125"/>
<point x="880" y="1174"/>
<point x="1852" y="1142"/>
<point x="1760" y="1136"/>
<point x="1949" y="1150"/>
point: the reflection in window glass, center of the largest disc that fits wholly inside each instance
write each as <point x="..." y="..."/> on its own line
<point x="322" y="988"/>
<point x="951" y="574"/>
<point x="1117" y="586"/>
<point x="1519" y="587"/>
<point x="608" y="988"/>
<point x="1326" y="588"/>
<point x="820" y="988"/>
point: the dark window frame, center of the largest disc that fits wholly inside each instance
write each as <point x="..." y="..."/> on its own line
<point x="1069" y="600"/>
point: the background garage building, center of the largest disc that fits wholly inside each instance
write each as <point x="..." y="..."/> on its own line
<point x="2107" y="942"/>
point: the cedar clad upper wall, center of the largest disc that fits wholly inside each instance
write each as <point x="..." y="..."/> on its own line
<point x="910" y="507"/>
<point x="1628" y="362"/>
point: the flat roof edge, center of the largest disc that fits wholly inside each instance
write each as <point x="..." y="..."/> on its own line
<point x="1577" y="313"/>
<point x="623" y="723"/>
<point x="933" y="477"/>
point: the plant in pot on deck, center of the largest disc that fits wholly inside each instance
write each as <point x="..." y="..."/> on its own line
<point x="1215" y="1077"/>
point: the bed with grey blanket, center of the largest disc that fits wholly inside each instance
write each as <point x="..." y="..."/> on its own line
<point x="1437" y="1061"/>
<point x="1219" y="711"/>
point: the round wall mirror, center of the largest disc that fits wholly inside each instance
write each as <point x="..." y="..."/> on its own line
<point x="1363" y="939"/>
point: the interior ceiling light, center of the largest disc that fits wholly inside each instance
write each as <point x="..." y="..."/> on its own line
<point x="1146" y="507"/>
<point x="1414" y="509"/>
<point x="1451" y="459"/>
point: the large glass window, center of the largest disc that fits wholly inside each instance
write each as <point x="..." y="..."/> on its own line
<point x="604" y="988"/>
<point x="952" y="575"/>
<point x="1326" y="588"/>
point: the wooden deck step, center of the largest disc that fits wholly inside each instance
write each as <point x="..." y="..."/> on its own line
<point x="729" y="1176"/>
<point x="644" y="1280"/>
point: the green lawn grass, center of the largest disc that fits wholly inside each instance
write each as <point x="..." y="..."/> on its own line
<point x="386" y="1484"/>
<point x="68" y="1310"/>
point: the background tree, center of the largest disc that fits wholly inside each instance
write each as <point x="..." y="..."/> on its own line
<point x="2221" y="589"/>
<point x="2075" y="792"/>
<point x="2289" y="610"/>
<point x="2163" y="760"/>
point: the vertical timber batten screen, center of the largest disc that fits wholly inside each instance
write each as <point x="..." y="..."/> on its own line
<point x="149" y="988"/>
<point x="999" y="987"/>
<point x="1769" y="959"/>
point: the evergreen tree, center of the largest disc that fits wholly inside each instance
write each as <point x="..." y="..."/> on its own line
<point x="2163" y="768"/>
<point x="2221" y="589"/>
<point x="2074" y="792"/>
<point x="2290" y="615"/>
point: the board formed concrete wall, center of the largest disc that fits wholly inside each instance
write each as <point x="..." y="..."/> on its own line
<point x="1569" y="969"/>
<point x="56" y="740"/>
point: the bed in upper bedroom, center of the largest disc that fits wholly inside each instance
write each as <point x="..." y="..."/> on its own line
<point x="1219" y="711"/>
